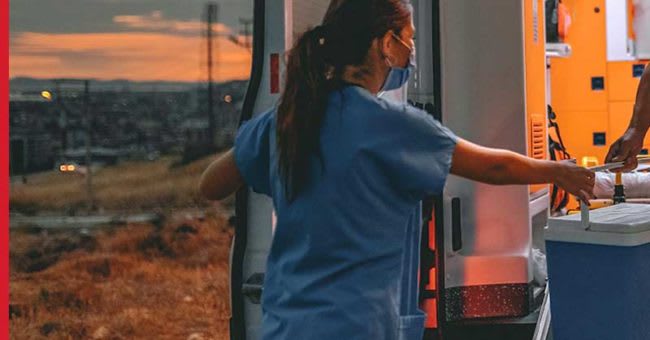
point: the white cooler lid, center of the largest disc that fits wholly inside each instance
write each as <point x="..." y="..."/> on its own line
<point x="625" y="225"/>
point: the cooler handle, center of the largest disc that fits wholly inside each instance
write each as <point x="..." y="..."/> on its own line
<point x="584" y="215"/>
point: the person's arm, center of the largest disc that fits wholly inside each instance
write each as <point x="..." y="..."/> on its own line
<point x="503" y="167"/>
<point x="626" y="148"/>
<point x="221" y="178"/>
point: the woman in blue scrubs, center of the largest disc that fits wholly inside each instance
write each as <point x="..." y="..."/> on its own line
<point x="347" y="170"/>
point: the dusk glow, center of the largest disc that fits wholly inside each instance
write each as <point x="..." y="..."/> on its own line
<point x="140" y="47"/>
<point x="134" y="56"/>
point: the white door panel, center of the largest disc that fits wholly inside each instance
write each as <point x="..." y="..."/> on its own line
<point x="278" y="29"/>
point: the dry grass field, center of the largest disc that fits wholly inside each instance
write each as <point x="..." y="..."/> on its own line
<point x="130" y="186"/>
<point x="137" y="281"/>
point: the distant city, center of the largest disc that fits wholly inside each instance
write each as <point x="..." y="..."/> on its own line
<point x="128" y="121"/>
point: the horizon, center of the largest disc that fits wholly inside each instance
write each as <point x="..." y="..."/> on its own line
<point x="127" y="80"/>
<point x="20" y="86"/>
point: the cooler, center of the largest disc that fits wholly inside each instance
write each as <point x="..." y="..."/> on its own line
<point x="599" y="274"/>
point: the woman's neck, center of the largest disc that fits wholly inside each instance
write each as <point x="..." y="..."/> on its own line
<point x="364" y="76"/>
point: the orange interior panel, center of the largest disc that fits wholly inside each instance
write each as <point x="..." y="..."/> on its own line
<point x="619" y="117"/>
<point x="536" y="83"/>
<point x="621" y="82"/>
<point x="582" y="111"/>
<point x="578" y="130"/>
<point x="620" y="114"/>
<point x="572" y="77"/>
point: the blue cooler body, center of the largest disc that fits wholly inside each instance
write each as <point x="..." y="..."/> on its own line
<point x="599" y="274"/>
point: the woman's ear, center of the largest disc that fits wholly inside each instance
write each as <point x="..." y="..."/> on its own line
<point x="386" y="45"/>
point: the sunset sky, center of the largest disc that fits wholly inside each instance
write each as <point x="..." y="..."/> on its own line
<point x="124" y="39"/>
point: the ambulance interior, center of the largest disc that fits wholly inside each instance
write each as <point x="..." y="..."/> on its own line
<point x="503" y="74"/>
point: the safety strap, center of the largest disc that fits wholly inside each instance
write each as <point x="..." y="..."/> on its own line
<point x="557" y="151"/>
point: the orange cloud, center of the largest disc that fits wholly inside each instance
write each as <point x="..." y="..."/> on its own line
<point x="155" y="21"/>
<point x="136" y="56"/>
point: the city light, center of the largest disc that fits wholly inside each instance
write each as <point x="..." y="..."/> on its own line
<point x="47" y="95"/>
<point x="67" y="168"/>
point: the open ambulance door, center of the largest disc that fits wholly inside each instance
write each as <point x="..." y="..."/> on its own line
<point x="276" y="23"/>
<point x="481" y="72"/>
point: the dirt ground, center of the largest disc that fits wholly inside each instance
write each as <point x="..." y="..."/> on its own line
<point x="130" y="282"/>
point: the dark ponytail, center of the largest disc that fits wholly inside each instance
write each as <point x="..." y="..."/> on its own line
<point x="301" y="109"/>
<point x="315" y="65"/>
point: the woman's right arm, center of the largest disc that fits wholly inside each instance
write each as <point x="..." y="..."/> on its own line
<point x="221" y="178"/>
<point x="503" y="167"/>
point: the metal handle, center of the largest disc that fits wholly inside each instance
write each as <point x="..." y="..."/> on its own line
<point x="584" y="215"/>
<point x="253" y="288"/>
<point x="456" y="230"/>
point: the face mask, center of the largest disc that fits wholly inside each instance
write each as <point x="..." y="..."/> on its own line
<point x="398" y="76"/>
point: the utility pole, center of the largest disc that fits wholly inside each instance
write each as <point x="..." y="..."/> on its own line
<point x="63" y="119"/>
<point x="211" y="18"/>
<point x="87" y="122"/>
<point x="89" y="177"/>
<point x="246" y="31"/>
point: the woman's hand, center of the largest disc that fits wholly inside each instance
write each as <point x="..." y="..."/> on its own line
<point x="576" y="180"/>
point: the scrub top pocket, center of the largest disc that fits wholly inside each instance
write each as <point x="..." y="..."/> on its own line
<point x="411" y="327"/>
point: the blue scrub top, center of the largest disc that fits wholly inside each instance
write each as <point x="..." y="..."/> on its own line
<point x="343" y="262"/>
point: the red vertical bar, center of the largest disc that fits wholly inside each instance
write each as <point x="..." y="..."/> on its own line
<point x="275" y="73"/>
<point x="432" y="232"/>
<point x="430" y="306"/>
<point x="4" y="169"/>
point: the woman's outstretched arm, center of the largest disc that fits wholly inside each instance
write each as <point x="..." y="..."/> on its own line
<point x="502" y="167"/>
